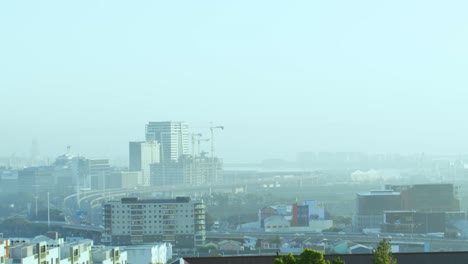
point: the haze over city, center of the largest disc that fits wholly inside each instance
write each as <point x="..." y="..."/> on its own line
<point x="281" y="77"/>
<point x="233" y="132"/>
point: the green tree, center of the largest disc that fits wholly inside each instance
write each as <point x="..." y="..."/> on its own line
<point x="382" y="254"/>
<point x="308" y="256"/>
<point x="286" y="259"/>
<point x="338" y="261"/>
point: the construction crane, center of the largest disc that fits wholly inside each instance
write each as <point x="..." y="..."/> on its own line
<point x="197" y="137"/>
<point x="212" y="159"/>
<point x="215" y="169"/>
<point x="194" y="135"/>
<point x="212" y="138"/>
<point x="212" y="129"/>
<point x="198" y="145"/>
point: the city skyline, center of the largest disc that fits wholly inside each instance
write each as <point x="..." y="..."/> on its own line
<point x="282" y="78"/>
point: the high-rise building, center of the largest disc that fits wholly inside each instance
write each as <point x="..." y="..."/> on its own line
<point x="173" y="138"/>
<point x="141" y="155"/>
<point x="179" y="221"/>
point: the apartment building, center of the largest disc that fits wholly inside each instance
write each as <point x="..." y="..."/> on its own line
<point x="51" y="249"/>
<point x="108" y="255"/>
<point x="179" y="221"/>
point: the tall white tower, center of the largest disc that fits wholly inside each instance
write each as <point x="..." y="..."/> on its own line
<point x="173" y="138"/>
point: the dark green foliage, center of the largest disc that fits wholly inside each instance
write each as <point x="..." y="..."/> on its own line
<point x="206" y="248"/>
<point x="333" y="229"/>
<point x="338" y="261"/>
<point x="287" y="259"/>
<point x="308" y="256"/>
<point x="382" y="254"/>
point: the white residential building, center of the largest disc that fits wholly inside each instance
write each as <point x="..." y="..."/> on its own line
<point x="4" y="248"/>
<point x="51" y="249"/>
<point x="33" y="253"/>
<point x="108" y="255"/>
<point x="157" y="253"/>
<point x="76" y="252"/>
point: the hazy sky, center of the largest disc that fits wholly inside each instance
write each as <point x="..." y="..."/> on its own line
<point x="281" y="76"/>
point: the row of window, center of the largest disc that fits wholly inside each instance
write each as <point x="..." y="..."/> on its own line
<point x="148" y="216"/>
<point x="159" y="232"/>
<point x="123" y="222"/>
<point x="166" y="206"/>
<point x="149" y="211"/>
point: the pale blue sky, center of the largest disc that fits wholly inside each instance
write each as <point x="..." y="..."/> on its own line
<point x="281" y="76"/>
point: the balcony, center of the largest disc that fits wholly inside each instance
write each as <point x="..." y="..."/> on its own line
<point x="136" y="233"/>
<point x="168" y="238"/>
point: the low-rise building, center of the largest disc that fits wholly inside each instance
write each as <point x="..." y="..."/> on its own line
<point x="108" y="255"/>
<point x="230" y="245"/>
<point x="51" y="249"/>
<point x="4" y="250"/>
<point x="33" y="253"/>
<point x="150" y="253"/>
<point x="76" y="252"/>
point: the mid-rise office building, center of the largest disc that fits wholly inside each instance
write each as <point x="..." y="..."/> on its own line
<point x="141" y="156"/>
<point x="9" y="181"/>
<point x="97" y="171"/>
<point x="420" y="197"/>
<point x="179" y="221"/>
<point x="35" y="179"/>
<point x="173" y="138"/>
<point x="370" y="207"/>
<point x="188" y="171"/>
<point x="124" y="179"/>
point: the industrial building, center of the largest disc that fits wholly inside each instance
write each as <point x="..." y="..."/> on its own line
<point x="421" y="197"/>
<point x="408" y="208"/>
<point x="370" y="207"/>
